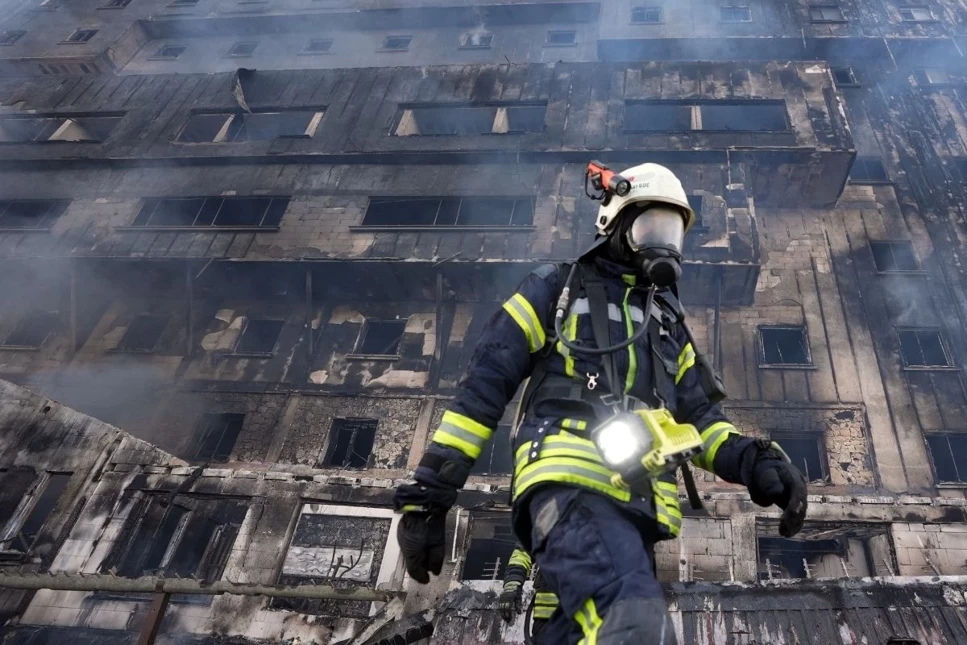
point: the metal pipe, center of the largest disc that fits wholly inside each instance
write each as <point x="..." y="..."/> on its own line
<point x="152" y="584"/>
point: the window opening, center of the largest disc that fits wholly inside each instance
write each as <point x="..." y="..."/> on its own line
<point x="922" y="348"/>
<point x="647" y="15"/>
<point x="32" y="330"/>
<point x="949" y="454"/>
<point x="259" y="337"/>
<point x="784" y="346"/>
<point x="561" y="38"/>
<point x="867" y="170"/>
<point x="31" y="214"/>
<point x="934" y="76"/>
<point x="736" y="14"/>
<point x="115" y="4"/>
<point x="825" y="550"/>
<point x="10" y="36"/>
<point x="212" y="212"/>
<point x="318" y="46"/>
<point x="170" y="51"/>
<point x="350" y="443"/>
<point x="449" y="211"/>
<point x="81" y="36"/>
<point x="476" y="40"/>
<point x="258" y="126"/>
<point x="243" y="49"/>
<point x="696" y="202"/>
<point x="381" y="338"/>
<point x="916" y="14"/>
<point x="144" y="332"/>
<point x="396" y="43"/>
<point x="22" y="530"/>
<point x="491" y="543"/>
<point x="807" y="451"/>
<point x="93" y="129"/>
<point x="894" y="257"/>
<point x="844" y="76"/>
<point x="468" y="120"/>
<point x="826" y="13"/>
<point x="216" y="437"/>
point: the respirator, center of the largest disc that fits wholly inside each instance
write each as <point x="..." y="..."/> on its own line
<point x="655" y="238"/>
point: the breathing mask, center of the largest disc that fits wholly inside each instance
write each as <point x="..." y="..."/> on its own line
<point x="654" y="238"/>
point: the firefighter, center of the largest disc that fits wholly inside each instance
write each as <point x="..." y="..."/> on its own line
<point x="592" y="538"/>
<point x="510" y="602"/>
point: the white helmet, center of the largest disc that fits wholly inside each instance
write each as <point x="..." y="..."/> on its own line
<point x="650" y="182"/>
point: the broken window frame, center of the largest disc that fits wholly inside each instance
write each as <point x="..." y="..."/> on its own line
<point x="561" y="38"/>
<point x="467" y="37"/>
<point x="691" y="111"/>
<point x="871" y="171"/>
<point x="57" y="128"/>
<point x="648" y="15"/>
<point x="164" y="49"/>
<point x="234" y="124"/>
<point x="893" y="245"/>
<point x="359" y="429"/>
<point x="403" y="46"/>
<point x="142" y="502"/>
<point x="210" y="207"/>
<point x="128" y="346"/>
<point x="55" y="208"/>
<point x="384" y="569"/>
<point x="522" y="210"/>
<point x="239" y="350"/>
<point x="226" y="424"/>
<point x="834" y="9"/>
<point x="501" y="120"/>
<point x="937" y="335"/>
<point x="79" y="37"/>
<point x="502" y="540"/>
<point x="911" y="11"/>
<point x="825" y="532"/>
<point x="44" y="321"/>
<point x="366" y="329"/>
<point x="242" y="49"/>
<point x="926" y="80"/>
<point x="310" y="49"/>
<point x="733" y="13"/>
<point x="816" y="440"/>
<point x="13" y="542"/>
<point x="933" y="441"/>
<point x="10" y="36"/>
<point x="763" y="331"/>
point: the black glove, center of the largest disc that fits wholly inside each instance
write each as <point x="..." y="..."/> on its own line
<point x="511" y="601"/>
<point x="422" y="530"/>
<point x="776" y="481"/>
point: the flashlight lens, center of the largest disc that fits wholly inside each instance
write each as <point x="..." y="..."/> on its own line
<point x="623" y="187"/>
<point x="617" y="442"/>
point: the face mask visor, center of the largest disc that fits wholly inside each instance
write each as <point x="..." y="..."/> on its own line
<point x="656" y="227"/>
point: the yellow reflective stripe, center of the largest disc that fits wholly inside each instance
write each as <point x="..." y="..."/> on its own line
<point x="713" y="437"/>
<point x="543" y="613"/>
<point x="462" y="433"/>
<point x="546" y="599"/>
<point x="570" y="332"/>
<point x="632" y="357"/>
<point x="568" y="470"/>
<point x="574" y="424"/>
<point x="587" y="617"/>
<point x="520" y="558"/>
<point x="668" y="487"/>
<point x="526" y="318"/>
<point x="558" y="445"/>
<point x="686" y="360"/>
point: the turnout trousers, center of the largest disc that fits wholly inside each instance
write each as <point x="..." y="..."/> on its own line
<point x="599" y="560"/>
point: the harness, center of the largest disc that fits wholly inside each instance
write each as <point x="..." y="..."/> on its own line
<point x="554" y="395"/>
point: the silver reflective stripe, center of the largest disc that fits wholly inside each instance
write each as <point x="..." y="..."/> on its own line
<point x="534" y="333"/>
<point x="522" y="482"/>
<point x="581" y="306"/>
<point x="460" y="433"/>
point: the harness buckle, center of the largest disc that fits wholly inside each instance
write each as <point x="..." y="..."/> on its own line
<point x="592" y="380"/>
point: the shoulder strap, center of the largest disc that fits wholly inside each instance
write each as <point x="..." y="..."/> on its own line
<point x="598" y="312"/>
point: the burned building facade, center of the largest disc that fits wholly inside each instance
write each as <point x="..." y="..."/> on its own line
<point x="261" y="237"/>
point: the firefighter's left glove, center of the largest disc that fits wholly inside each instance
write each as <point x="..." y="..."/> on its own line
<point x="511" y="601"/>
<point x="422" y="530"/>
<point x="775" y="480"/>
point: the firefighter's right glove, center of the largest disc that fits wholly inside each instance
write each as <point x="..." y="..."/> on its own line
<point x="776" y="481"/>
<point x="511" y="601"/>
<point x="422" y="530"/>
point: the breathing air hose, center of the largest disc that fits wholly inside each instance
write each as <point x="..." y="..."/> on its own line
<point x="562" y="305"/>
